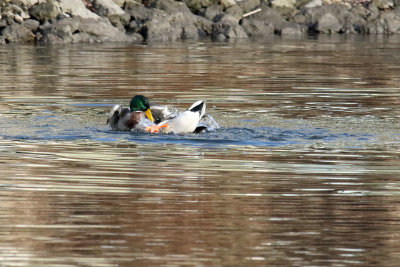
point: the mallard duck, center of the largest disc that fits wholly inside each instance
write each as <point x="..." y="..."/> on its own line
<point x="124" y="119"/>
<point x="185" y="122"/>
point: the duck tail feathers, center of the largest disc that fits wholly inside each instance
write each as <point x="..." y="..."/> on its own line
<point x="198" y="106"/>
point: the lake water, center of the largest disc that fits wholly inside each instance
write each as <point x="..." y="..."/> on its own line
<point x="305" y="170"/>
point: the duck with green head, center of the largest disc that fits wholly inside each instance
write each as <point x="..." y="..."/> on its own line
<point x="124" y="119"/>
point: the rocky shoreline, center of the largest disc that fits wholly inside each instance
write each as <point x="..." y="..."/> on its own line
<point x="92" y="21"/>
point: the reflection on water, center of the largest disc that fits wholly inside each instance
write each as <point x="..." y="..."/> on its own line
<point x="304" y="171"/>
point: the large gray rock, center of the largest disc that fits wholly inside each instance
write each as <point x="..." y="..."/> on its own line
<point x="138" y="11"/>
<point x="73" y="30"/>
<point x="45" y="11"/>
<point x="234" y="11"/>
<point x="385" y="23"/>
<point x="117" y="16"/>
<point x="159" y="28"/>
<point x="107" y="7"/>
<point x="264" y="23"/>
<point x="328" y="23"/>
<point x="164" y="27"/>
<point x="249" y="5"/>
<point x="31" y="24"/>
<point x="333" y="19"/>
<point x="166" y="21"/>
<point x="213" y="12"/>
<point x="228" y="28"/>
<point x="292" y="28"/>
<point x="18" y="33"/>
<point x="258" y="28"/>
<point x="76" y="8"/>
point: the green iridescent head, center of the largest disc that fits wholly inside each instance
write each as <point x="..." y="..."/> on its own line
<point x="141" y="103"/>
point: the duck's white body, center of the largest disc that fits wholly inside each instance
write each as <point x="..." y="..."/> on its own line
<point x="185" y="122"/>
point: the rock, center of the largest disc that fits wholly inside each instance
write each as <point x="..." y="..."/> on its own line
<point x="120" y="3"/>
<point x="77" y="8"/>
<point x="249" y="5"/>
<point x="31" y="24"/>
<point x="372" y="13"/>
<point x="120" y="21"/>
<point x="229" y="27"/>
<point x="220" y="37"/>
<point x="160" y="29"/>
<point x="16" y="12"/>
<point x="72" y="30"/>
<point x="292" y="28"/>
<point x="383" y="4"/>
<point x="340" y="19"/>
<point x="18" y="18"/>
<point x="393" y="22"/>
<point x="140" y="15"/>
<point x="235" y="11"/>
<point x="328" y="23"/>
<point x="172" y="7"/>
<point x="262" y="22"/>
<point x="204" y="26"/>
<point x="169" y="21"/>
<point x="38" y="36"/>
<point x="257" y="28"/>
<point x="213" y="12"/>
<point x="313" y="3"/>
<point x="107" y="7"/>
<point x="386" y="23"/>
<point x="138" y="11"/>
<point x="18" y="33"/>
<point x="45" y="11"/>
<point x="196" y="6"/>
<point x="24" y="3"/>
<point x="227" y="3"/>
<point x="270" y="21"/>
<point x="3" y="24"/>
<point x="117" y="16"/>
<point x="190" y="32"/>
<point x="283" y="3"/>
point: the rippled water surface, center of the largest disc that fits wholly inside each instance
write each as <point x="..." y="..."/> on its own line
<point x="305" y="170"/>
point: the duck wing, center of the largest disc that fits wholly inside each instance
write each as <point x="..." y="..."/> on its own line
<point x="207" y="123"/>
<point x="118" y="118"/>
<point x="162" y="113"/>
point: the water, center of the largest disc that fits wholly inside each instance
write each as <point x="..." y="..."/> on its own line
<point x="303" y="172"/>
